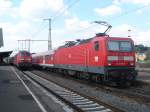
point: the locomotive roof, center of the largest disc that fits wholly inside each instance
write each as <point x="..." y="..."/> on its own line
<point x="73" y="43"/>
<point x="99" y="35"/>
<point x="14" y="53"/>
<point x="43" y="53"/>
<point x="23" y="51"/>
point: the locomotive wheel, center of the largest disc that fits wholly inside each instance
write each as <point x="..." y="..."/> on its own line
<point x="123" y="83"/>
<point x="71" y="72"/>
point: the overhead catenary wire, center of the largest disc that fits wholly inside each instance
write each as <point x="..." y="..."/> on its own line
<point x="84" y="29"/>
<point x="39" y="31"/>
<point x="128" y="12"/>
<point x="63" y="11"/>
<point x="57" y="14"/>
<point x="116" y="17"/>
<point x="60" y="9"/>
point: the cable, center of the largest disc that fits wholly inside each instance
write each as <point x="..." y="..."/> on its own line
<point x="84" y="29"/>
<point x="130" y="11"/>
<point x="58" y="13"/>
<point x="73" y="3"/>
<point x="60" y="9"/>
<point x="39" y="31"/>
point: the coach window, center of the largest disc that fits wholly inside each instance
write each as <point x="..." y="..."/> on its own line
<point x="96" y="46"/>
<point x="47" y="57"/>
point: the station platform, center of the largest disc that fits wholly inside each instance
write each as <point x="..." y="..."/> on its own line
<point x="143" y="74"/>
<point x="143" y="69"/>
<point x="13" y="95"/>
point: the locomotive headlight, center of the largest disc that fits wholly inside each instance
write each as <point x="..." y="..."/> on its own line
<point x="22" y="59"/>
<point x="112" y="58"/>
<point x="131" y="63"/>
<point x="109" y="64"/>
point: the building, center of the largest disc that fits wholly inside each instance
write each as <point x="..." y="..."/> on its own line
<point x="141" y="56"/>
<point x="1" y="37"/>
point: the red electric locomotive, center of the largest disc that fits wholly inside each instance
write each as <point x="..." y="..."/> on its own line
<point x="101" y="58"/>
<point x="22" y="59"/>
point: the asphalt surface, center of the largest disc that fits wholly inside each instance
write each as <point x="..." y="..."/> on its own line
<point x="144" y="76"/>
<point x="13" y="95"/>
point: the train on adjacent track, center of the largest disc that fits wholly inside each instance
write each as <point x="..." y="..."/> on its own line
<point x="22" y="59"/>
<point x="101" y="58"/>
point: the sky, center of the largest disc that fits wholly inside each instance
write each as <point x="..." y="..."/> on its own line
<point x="71" y="20"/>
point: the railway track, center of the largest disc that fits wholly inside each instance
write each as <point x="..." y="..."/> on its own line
<point x="139" y="95"/>
<point x="134" y="93"/>
<point x="77" y="101"/>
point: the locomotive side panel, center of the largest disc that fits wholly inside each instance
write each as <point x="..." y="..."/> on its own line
<point x="74" y="58"/>
<point x="97" y="56"/>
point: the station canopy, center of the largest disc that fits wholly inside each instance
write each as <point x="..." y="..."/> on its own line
<point x="5" y="54"/>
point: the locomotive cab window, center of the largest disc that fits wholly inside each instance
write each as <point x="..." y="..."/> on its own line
<point x="125" y="46"/>
<point x="28" y="54"/>
<point x="96" y="46"/>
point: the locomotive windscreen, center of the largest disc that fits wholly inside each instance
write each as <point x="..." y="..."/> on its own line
<point x="125" y="46"/>
<point x="25" y="54"/>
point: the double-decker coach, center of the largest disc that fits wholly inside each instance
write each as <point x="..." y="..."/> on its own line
<point x="44" y="59"/>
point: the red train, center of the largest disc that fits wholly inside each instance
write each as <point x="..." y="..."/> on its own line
<point x="44" y="59"/>
<point x="101" y="58"/>
<point x="23" y="60"/>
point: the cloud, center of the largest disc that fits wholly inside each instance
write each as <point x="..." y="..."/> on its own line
<point x="5" y="7"/>
<point x="139" y="12"/>
<point x="143" y="37"/>
<point x="121" y="30"/>
<point x="74" y="24"/>
<point x="142" y="2"/>
<point x="39" y="8"/>
<point x="12" y="33"/>
<point x="82" y="29"/>
<point x="74" y="28"/>
<point x="107" y="11"/>
<point x="138" y="35"/>
<point x="21" y="28"/>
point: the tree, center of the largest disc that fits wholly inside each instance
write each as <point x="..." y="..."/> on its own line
<point x="141" y="48"/>
<point x="148" y="54"/>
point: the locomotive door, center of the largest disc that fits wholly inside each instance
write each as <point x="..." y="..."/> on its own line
<point x="86" y="58"/>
